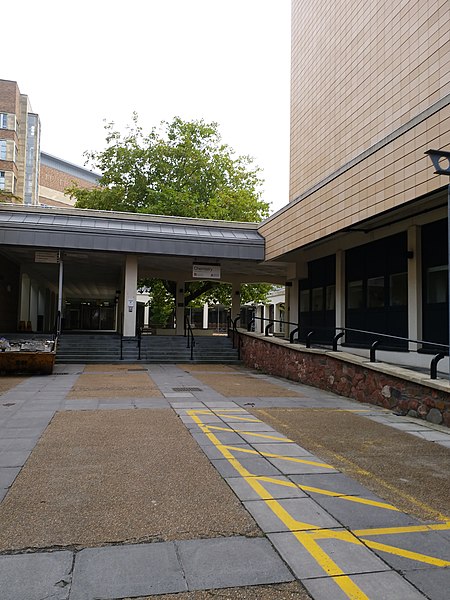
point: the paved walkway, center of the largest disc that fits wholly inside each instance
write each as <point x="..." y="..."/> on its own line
<point x="317" y="533"/>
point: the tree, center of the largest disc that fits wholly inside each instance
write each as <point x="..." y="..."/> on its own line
<point x="180" y="169"/>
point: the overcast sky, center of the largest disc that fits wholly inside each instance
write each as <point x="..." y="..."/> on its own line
<point x="83" y="62"/>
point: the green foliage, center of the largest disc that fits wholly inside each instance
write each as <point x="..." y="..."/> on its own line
<point x="181" y="169"/>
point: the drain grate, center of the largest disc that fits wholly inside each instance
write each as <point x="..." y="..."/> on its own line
<point x="187" y="389"/>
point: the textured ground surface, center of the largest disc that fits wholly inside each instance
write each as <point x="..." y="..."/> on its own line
<point x="284" y="591"/>
<point x="7" y="382"/>
<point x="112" y="476"/>
<point x="116" y="383"/>
<point x="240" y="384"/>
<point x="411" y="473"/>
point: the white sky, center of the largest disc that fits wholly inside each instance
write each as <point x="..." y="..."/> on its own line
<point x="226" y="61"/>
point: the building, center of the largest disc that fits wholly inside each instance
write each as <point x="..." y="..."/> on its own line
<point x="19" y="145"/>
<point x="27" y="175"/>
<point x="366" y="225"/>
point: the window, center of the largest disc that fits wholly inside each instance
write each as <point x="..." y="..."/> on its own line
<point x="304" y="301"/>
<point x="330" y="291"/>
<point x="3" y="149"/>
<point x="398" y="289"/>
<point x="437" y="283"/>
<point x="375" y="292"/>
<point x="3" y="121"/>
<point x="317" y="299"/>
<point x="355" y="294"/>
<point x="2" y="180"/>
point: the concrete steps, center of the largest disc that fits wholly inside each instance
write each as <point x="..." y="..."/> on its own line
<point x="98" y="348"/>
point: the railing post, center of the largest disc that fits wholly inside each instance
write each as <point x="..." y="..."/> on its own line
<point x="336" y="338"/>
<point x="235" y="320"/>
<point x="308" y="338"/>
<point x="434" y="364"/>
<point x="268" y="326"/>
<point x="121" y="345"/>
<point x="250" y="323"/>
<point x="373" y="349"/>
<point x="292" y="335"/>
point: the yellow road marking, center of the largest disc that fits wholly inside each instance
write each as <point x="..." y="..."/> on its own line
<point x="308" y="534"/>
<point x="270" y="455"/>
<point x="261" y="435"/>
<point x="240" y="418"/>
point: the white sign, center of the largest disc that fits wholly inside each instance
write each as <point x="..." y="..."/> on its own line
<point x="46" y="257"/>
<point x="206" y="271"/>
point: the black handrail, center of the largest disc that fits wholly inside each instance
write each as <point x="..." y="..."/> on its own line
<point x="235" y="331"/>
<point x="190" y="336"/>
<point x="269" y="326"/>
<point x="374" y="344"/>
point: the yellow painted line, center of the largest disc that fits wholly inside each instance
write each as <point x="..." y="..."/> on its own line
<point x="404" y="529"/>
<point x="430" y="560"/>
<point x="308" y="488"/>
<point x="307" y="462"/>
<point x="346" y="536"/>
<point x="261" y="435"/>
<point x="347" y="585"/>
<point x="308" y="534"/>
<point x="240" y="418"/>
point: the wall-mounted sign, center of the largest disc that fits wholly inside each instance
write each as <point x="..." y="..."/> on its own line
<point x="46" y="257"/>
<point x="206" y="271"/>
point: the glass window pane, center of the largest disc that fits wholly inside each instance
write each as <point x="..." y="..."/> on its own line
<point x="437" y="283"/>
<point x="355" y="294"/>
<point x="331" y="297"/>
<point x="398" y="289"/>
<point x="304" y="301"/>
<point x="317" y="299"/>
<point x="375" y="292"/>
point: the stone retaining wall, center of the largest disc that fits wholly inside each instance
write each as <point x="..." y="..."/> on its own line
<point x="356" y="378"/>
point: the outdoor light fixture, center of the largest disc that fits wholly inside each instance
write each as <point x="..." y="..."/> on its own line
<point x="441" y="163"/>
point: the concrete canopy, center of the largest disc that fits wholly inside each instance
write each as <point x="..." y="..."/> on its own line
<point x="166" y="247"/>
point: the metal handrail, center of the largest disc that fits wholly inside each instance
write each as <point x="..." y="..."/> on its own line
<point x="190" y="336"/>
<point x="269" y="326"/>
<point x="235" y="331"/>
<point x="374" y="344"/>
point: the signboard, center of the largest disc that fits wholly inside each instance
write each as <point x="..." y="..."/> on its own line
<point x="206" y="271"/>
<point x="46" y="257"/>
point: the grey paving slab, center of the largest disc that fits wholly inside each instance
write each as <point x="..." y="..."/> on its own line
<point x="256" y="437"/>
<point x="224" y="437"/>
<point x="127" y="571"/>
<point x="376" y="586"/>
<point x="362" y="516"/>
<point x="187" y="405"/>
<point x="255" y="466"/>
<point x="308" y="514"/>
<point x="7" y="475"/>
<point x="28" y="432"/>
<point x="178" y="395"/>
<point x="3" y="492"/>
<point x="213" y="453"/>
<point x="292" y="467"/>
<point x="81" y="405"/>
<point x="231" y="562"/>
<point x="434" y="583"/>
<point x="429" y="543"/>
<point x="350" y="558"/>
<point x="219" y="404"/>
<point x="271" y="490"/>
<point x="289" y="449"/>
<point x="333" y="482"/>
<point x="258" y="427"/>
<point x="432" y="435"/>
<point x="36" y="576"/>
<point x="205" y="419"/>
<point x="13" y="458"/>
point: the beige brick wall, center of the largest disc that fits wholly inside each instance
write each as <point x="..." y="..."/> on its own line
<point x="360" y="72"/>
<point x="54" y="179"/>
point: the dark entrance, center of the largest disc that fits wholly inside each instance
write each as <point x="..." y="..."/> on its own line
<point x="435" y="282"/>
<point x="317" y="300"/>
<point x="377" y="290"/>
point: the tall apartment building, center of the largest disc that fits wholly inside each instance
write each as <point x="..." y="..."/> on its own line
<point x="19" y="144"/>
<point x="366" y="225"/>
<point x="28" y="176"/>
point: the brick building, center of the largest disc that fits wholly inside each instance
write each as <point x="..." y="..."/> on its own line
<point x="27" y="175"/>
<point x="366" y="225"/>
